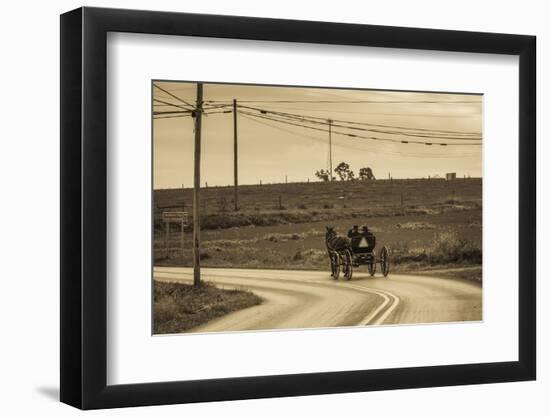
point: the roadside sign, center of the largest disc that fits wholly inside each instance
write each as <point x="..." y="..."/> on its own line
<point x="169" y="217"/>
<point x="175" y="216"/>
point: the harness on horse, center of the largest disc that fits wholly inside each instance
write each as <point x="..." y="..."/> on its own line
<point x="336" y="243"/>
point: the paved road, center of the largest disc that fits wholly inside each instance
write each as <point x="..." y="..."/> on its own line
<point x="302" y="299"/>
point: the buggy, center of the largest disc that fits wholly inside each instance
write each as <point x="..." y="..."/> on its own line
<point x="345" y="254"/>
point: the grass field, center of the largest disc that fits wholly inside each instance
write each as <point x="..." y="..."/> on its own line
<point x="179" y="307"/>
<point x="282" y="225"/>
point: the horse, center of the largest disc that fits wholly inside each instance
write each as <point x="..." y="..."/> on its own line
<point x="335" y="242"/>
<point x="339" y="252"/>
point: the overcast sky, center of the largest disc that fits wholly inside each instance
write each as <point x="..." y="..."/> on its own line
<point x="270" y="150"/>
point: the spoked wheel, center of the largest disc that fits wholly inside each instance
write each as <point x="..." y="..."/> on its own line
<point x="385" y="261"/>
<point x="334" y="265"/>
<point x="372" y="268"/>
<point x="347" y="261"/>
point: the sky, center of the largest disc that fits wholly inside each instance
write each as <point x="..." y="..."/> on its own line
<point x="277" y="147"/>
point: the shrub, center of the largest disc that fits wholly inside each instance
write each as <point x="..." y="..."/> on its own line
<point x="448" y="247"/>
<point x="284" y="237"/>
<point x="452" y="201"/>
<point x="298" y="256"/>
<point x="415" y="226"/>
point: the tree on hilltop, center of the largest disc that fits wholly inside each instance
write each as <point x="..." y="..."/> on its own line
<point x="366" y="174"/>
<point x="323" y="175"/>
<point x="344" y="172"/>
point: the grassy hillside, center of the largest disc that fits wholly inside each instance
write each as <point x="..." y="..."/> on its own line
<point x="304" y="202"/>
<point x="438" y="223"/>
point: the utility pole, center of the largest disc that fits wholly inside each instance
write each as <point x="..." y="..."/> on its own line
<point x="196" y="190"/>
<point x="330" y="146"/>
<point x="235" y="156"/>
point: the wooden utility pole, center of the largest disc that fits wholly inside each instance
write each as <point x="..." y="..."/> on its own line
<point x="167" y="237"/>
<point x="182" y="225"/>
<point x="330" y="147"/>
<point x="235" y="156"/>
<point x="196" y="191"/>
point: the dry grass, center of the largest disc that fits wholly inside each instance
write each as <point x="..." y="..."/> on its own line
<point x="432" y="229"/>
<point x="473" y="273"/>
<point x="179" y="307"/>
<point x="316" y="201"/>
<point x="447" y="248"/>
<point x="415" y="226"/>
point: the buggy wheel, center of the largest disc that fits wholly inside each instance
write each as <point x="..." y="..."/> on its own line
<point x="334" y="265"/>
<point x="347" y="261"/>
<point x="372" y="268"/>
<point x="385" y="261"/>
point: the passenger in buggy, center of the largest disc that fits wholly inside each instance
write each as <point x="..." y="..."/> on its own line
<point x="355" y="235"/>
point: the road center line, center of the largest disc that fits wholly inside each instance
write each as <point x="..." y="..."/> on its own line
<point x="389" y="310"/>
<point x="386" y="295"/>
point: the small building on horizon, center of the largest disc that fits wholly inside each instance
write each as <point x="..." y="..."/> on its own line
<point x="450" y="176"/>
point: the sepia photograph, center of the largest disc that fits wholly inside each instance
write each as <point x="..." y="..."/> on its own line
<point x="278" y="205"/>
<point x="290" y="207"/>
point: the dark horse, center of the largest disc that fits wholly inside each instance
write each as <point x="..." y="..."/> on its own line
<point x="339" y="252"/>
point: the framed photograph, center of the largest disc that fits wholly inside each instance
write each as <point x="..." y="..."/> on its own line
<point x="258" y="208"/>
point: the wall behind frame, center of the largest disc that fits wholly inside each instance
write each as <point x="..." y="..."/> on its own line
<point x="30" y="180"/>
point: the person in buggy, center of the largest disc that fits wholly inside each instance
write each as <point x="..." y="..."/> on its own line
<point x="362" y="241"/>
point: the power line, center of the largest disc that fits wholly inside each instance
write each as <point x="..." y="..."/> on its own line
<point x="357" y="101"/>
<point x="159" y="115"/>
<point x="363" y="112"/>
<point x="171" y="117"/>
<point x="387" y="132"/>
<point x="455" y="132"/>
<point x="374" y="138"/>
<point x="218" y="106"/>
<point x="348" y="146"/>
<point x="174" y="96"/>
<point x="353" y="101"/>
<point x="172" y="104"/>
<point x="171" y="112"/>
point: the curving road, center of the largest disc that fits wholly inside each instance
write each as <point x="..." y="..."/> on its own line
<point x="302" y="299"/>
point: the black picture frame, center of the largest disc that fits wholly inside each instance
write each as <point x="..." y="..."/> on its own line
<point x="84" y="207"/>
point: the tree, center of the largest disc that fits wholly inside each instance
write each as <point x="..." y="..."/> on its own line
<point x="366" y="174"/>
<point x="323" y="175"/>
<point x="344" y="172"/>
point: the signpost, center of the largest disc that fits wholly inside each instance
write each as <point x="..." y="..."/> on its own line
<point x="169" y="217"/>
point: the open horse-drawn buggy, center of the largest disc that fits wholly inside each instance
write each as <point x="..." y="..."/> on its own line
<point x="358" y="249"/>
